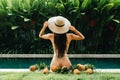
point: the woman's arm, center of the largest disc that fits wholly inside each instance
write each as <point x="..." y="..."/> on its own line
<point x="41" y="34"/>
<point x="77" y="35"/>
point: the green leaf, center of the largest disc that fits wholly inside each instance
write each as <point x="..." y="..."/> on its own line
<point x="111" y="17"/>
<point x="3" y="13"/>
<point x="75" y="3"/>
<point x="26" y="19"/>
<point x="82" y="13"/>
<point x="108" y="6"/>
<point x="116" y="20"/>
<point x="85" y="4"/>
<point x="14" y="27"/>
<point x="15" y="4"/>
<point x="35" y="4"/>
<point x="60" y="7"/>
<point x="3" y="3"/>
<point x="96" y="9"/>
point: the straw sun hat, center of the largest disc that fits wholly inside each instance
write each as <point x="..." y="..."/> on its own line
<point x="58" y="24"/>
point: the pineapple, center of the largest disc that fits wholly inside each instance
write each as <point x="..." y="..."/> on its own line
<point x="54" y="68"/>
<point x="81" y="67"/>
<point x="89" y="71"/>
<point x="90" y="68"/>
<point x="45" y="71"/>
<point x="76" y="71"/>
<point x="33" y="67"/>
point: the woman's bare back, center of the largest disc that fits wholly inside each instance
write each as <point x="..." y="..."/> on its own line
<point x="63" y="61"/>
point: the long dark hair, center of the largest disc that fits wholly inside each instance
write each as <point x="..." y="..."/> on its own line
<point x="60" y="43"/>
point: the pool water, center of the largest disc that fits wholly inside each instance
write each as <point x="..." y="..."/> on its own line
<point x="25" y="63"/>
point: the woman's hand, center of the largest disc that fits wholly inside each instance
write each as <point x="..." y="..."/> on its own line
<point x="45" y="25"/>
<point x="72" y="28"/>
<point x="78" y="35"/>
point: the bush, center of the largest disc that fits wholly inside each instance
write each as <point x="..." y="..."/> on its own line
<point x="21" y="21"/>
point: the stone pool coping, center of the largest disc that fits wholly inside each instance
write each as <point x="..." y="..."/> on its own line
<point x="51" y="55"/>
<point x="27" y="70"/>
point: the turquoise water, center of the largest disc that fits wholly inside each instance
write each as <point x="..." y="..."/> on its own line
<point x="25" y="63"/>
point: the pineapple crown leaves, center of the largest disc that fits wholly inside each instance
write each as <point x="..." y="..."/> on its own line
<point x="63" y="70"/>
<point x="88" y="65"/>
<point x="42" y="66"/>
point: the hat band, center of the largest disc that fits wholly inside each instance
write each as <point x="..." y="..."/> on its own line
<point x="59" y="25"/>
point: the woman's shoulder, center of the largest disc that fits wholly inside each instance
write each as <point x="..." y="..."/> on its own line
<point x="48" y="36"/>
<point x="69" y="35"/>
<point x="72" y="36"/>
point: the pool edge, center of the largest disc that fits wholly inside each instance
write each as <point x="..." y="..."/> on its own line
<point x="27" y="70"/>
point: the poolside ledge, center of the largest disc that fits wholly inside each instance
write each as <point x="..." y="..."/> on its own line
<point x="50" y="55"/>
<point x="96" y="70"/>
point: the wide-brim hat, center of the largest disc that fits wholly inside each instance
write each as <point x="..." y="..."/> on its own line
<point x="58" y="24"/>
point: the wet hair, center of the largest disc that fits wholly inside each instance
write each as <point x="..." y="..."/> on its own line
<point x="60" y="43"/>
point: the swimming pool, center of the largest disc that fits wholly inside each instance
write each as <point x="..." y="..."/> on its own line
<point x="99" y="63"/>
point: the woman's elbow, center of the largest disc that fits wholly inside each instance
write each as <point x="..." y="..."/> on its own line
<point x="40" y="36"/>
<point x="83" y="37"/>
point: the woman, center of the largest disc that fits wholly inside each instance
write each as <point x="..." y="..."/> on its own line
<point x="60" y="39"/>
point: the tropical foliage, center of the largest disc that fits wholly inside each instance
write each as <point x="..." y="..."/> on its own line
<point x="21" y="21"/>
